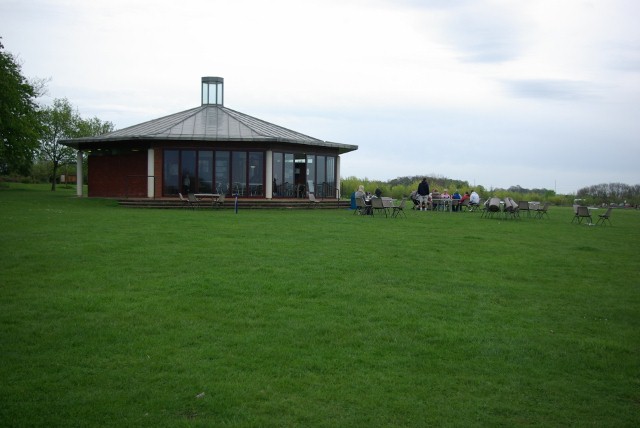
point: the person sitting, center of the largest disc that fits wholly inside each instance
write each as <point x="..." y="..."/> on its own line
<point x="464" y="200"/>
<point x="474" y="200"/>
<point x="456" y="196"/>
<point x="360" y="192"/>
<point x="378" y="193"/>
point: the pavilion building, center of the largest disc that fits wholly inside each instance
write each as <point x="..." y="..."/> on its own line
<point x="209" y="149"/>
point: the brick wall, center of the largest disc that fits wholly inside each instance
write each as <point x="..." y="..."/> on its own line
<point x="111" y="176"/>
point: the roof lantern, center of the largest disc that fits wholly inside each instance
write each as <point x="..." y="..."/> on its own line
<point x="212" y="91"/>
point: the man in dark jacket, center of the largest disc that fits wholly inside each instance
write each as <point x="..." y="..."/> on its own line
<point x="423" y="194"/>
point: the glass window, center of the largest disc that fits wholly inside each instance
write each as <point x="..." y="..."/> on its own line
<point x="205" y="93"/>
<point x="239" y="173"/>
<point x="331" y="174"/>
<point x="188" y="173"/>
<point x="219" y="93"/>
<point x="321" y="182"/>
<point x="171" y="173"/>
<point x="222" y="173"/>
<point x="278" y="172"/>
<point x="311" y="173"/>
<point x="256" y="174"/>
<point x="205" y="172"/>
<point x="288" y="168"/>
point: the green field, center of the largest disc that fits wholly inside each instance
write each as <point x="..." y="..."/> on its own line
<point x="135" y="317"/>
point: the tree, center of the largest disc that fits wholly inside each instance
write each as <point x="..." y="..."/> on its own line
<point x="61" y="122"/>
<point x="19" y="130"/>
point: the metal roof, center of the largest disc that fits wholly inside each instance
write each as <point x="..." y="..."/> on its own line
<point x="208" y="123"/>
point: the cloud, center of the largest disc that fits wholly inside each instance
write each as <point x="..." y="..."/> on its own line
<point x="497" y="92"/>
<point x="550" y="89"/>
<point x="485" y="32"/>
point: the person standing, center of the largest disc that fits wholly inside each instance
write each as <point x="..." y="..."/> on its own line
<point x="423" y="194"/>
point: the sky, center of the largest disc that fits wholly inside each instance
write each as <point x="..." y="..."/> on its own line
<point x="530" y="93"/>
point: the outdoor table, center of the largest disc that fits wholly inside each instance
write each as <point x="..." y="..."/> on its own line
<point x="444" y="203"/>
<point x="213" y="196"/>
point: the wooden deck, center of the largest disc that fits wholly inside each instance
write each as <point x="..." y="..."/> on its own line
<point x="243" y="203"/>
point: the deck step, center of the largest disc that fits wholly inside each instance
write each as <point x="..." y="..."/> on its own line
<point x="242" y="204"/>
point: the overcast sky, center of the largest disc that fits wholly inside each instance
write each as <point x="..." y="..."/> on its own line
<point x="536" y="93"/>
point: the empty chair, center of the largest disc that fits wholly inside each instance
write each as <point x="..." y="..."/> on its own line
<point x="313" y="202"/>
<point x="399" y="209"/>
<point x="388" y="205"/>
<point x="185" y="201"/>
<point x="603" y="218"/>
<point x="582" y="213"/>
<point x="377" y="205"/>
<point x="524" y="206"/>
<point x="541" y="212"/>
<point x="218" y="203"/>
<point x="193" y="201"/>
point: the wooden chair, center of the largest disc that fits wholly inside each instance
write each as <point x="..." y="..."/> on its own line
<point x="603" y="218"/>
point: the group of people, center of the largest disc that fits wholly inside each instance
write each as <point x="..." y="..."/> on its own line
<point x="424" y="199"/>
<point x="360" y="193"/>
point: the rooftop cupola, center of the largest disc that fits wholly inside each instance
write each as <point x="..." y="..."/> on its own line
<point x="213" y="91"/>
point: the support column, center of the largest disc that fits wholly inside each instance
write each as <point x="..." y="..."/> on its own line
<point x="269" y="175"/>
<point x="151" y="174"/>
<point x="79" y="181"/>
<point x="338" y="183"/>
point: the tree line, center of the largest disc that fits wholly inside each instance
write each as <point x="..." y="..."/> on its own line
<point x="31" y="132"/>
<point x="613" y="193"/>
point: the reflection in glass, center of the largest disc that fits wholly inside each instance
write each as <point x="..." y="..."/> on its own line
<point x="171" y="173"/>
<point x="222" y="173"/>
<point x="205" y="172"/>
<point x="256" y="174"/>
<point x="239" y="173"/>
<point x="188" y="171"/>
<point x="278" y="172"/>
<point x="311" y="174"/>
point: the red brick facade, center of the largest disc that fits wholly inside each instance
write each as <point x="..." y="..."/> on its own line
<point x="119" y="175"/>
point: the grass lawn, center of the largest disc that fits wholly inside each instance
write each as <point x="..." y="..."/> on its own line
<point x="131" y="317"/>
